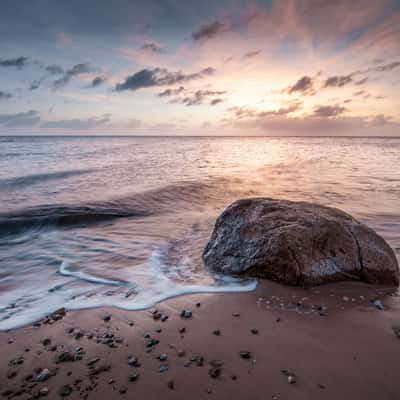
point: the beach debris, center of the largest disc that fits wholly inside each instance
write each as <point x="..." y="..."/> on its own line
<point x="378" y="304"/>
<point x="171" y="384"/>
<point x="163" y="368"/>
<point x="186" y="314"/>
<point x="134" y="377"/>
<point x="65" y="390"/>
<point x="245" y="354"/>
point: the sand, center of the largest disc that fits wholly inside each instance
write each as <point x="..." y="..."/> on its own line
<point x="333" y="344"/>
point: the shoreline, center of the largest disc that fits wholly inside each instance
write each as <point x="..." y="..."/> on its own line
<point x="321" y="344"/>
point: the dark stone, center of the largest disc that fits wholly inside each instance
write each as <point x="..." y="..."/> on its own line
<point x="298" y="243"/>
<point x="245" y="354"/>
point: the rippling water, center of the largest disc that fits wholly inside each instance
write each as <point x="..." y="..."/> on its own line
<point x="119" y="221"/>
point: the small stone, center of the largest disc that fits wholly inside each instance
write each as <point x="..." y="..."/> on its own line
<point x="93" y="361"/>
<point x="163" y="368"/>
<point x="278" y="319"/>
<point x="234" y="377"/>
<point x="254" y="331"/>
<point x="171" y="385"/>
<point x="164" y="318"/>
<point x="163" y="357"/>
<point x="46" y="341"/>
<point x="215" y="372"/>
<point x="133" y="362"/>
<point x="217" y="332"/>
<point x="181" y="353"/>
<point x="345" y="298"/>
<point x="182" y="330"/>
<point x="43" y="375"/>
<point x="291" y="379"/>
<point x="65" y="390"/>
<point x="10" y="341"/>
<point x="106" y="317"/>
<point x="245" y="354"/>
<point x="134" y="377"/>
<point x="378" y="304"/>
<point x="123" y="390"/>
<point x="186" y="314"/>
<point x="236" y="314"/>
<point x="396" y="331"/>
<point x="44" y="391"/>
<point x="198" y="305"/>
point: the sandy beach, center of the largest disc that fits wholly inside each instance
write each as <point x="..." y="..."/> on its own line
<point x="278" y="342"/>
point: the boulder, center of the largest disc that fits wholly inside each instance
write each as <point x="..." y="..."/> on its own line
<point x="298" y="243"/>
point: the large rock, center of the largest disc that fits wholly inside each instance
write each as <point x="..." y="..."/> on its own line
<point x="298" y="243"/>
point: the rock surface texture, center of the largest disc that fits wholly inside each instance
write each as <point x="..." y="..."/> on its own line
<point x="298" y="243"/>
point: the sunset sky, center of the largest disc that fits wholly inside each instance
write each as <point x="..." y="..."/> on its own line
<point x="168" y="67"/>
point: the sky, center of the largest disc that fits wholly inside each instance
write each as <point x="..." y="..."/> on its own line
<point x="190" y="67"/>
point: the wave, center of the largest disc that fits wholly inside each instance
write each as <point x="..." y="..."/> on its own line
<point x="27" y="180"/>
<point x="64" y="271"/>
<point x="171" y="198"/>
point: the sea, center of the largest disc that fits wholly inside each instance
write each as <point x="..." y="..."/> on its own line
<point x="122" y="221"/>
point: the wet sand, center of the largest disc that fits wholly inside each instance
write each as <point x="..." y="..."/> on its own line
<point x="278" y="342"/>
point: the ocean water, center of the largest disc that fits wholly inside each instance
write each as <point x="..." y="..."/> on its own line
<point x="122" y="221"/>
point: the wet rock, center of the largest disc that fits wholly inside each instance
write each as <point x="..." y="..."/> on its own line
<point x="186" y="314"/>
<point x="298" y="243"/>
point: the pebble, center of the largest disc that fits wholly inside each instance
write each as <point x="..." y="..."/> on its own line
<point x="133" y="362"/>
<point x="106" y="317"/>
<point x="215" y="372"/>
<point x="236" y="314"/>
<point x="44" y="391"/>
<point x="291" y="379"/>
<point x="163" y="368"/>
<point x="186" y="314"/>
<point x="43" y="375"/>
<point x="10" y="341"/>
<point x="254" y="331"/>
<point x="134" y="377"/>
<point x="171" y="385"/>
<point x="46" y="341"/>
<point x="396" y="331"/>
<point x="378" y="304"/>
<point x="65" y="390"/>
<point x="163" y="357"/>
<point x="245" y="354"/>
<point x="217" y="332"/>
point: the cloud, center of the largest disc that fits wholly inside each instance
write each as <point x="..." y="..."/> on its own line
<point x="97" y="81"/>
<point x="76" y="70"/>
<point x="328" y="111"/>
<point x="5" y="95"/>
<point x="159" y="77"/>
<point x="77" y="123"/>
<point x="388" y="67"/>
<point x="250" y="113"/>
<point x="304" y="85"/>
<point x="152" y="47"/>
<point x="199" y="96"/>
<point x="27" y="118"/>
<point x="18" y="62"/>
<point x="361" y="81"/>
<point x="209" y="31"/>
<point x="171" y="92"/>
<point x="252" y="54"/>
<point x="338" y="81"/>
<point x="54" y="69"/>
